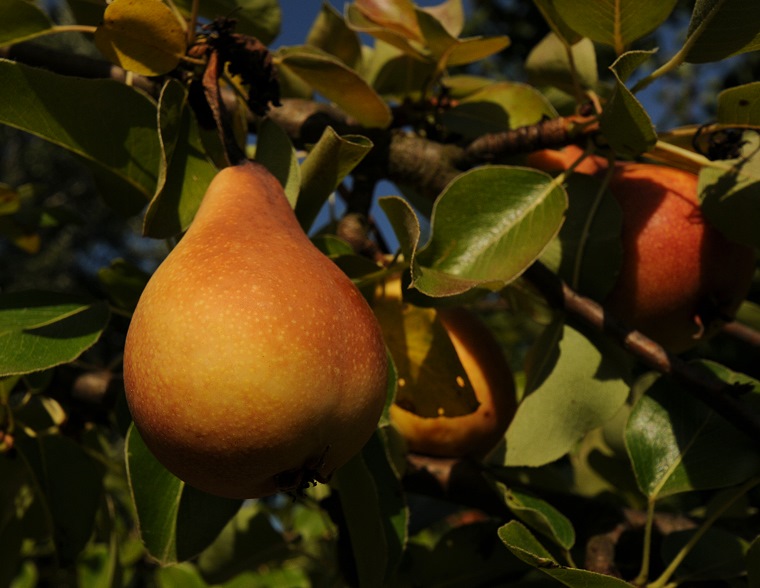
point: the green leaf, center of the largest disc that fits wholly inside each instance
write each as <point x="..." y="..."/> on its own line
<point x="393" y="22"/>
<point x="587" y="252"/>
<point x="729" y="193"/>
<point x="22" y="20"/>
<point x="329" y="161"/>
<point x="247" y="542"/>
<point x="540" y="515"/>
<point x="257" y="18"/>
<point x="740" y="105"/>
<point x="337" y="82"/>
<point x="275" y="151"/>
<point x="487" y="227"/>
<point x="142" y="36"/>
<point x="677" y="444"/>
<point x="39" y="330"/>
<point x="123" y="283"/>
<point x="122" y="151"/>
<point x="72" y="484"/>
<point x="617" y="23"/>
<point x="624" y="122"/>
<point x="176" y="521"/>
<point x="185" y="171"/>
<point x="22" y="512"/>
<point x="720" y="28"/>
<point x="99" y="566"/>
<point x="331" y="34"/>
<point x="549" y="64"/>
<point x="525" y="546"/>
<point x="448" y="51"/>
<point x="571" y="389"/>
<point x="500" y="106"/>
<point x="375" y="511"/>
<point x="392" y="72"/>
<point x="182" y="574"/>
<point x="463" y="556"/>
<point x="558" y="26"/>
<point x="718" y="555"/>
<point x="405" y="224"/>
<point x="753" y="563"/>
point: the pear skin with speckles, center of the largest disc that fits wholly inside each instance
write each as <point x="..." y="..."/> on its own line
<point x="252" y="364"/>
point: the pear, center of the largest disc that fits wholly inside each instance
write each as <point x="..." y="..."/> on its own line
<point x="680" y="278"/>
<point x="252" y="364"/>
<point x="474" y="434"/>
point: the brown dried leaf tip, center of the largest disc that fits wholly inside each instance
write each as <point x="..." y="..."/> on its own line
<point x="242" y="56"/>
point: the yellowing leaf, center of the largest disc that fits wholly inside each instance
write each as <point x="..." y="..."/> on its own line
<point x="143" y="36"/>
<point x="334" y="80"/>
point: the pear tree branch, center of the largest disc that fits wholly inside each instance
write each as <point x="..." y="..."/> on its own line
<point x="408" y="159"/>
<point x="725" y="399"/>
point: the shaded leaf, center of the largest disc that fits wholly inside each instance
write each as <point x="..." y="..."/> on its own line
<point x="558" y="26"/>
<point x="399" y="16"/>
<point x="375" y="511"/>
<point x="624" y="121"/>
<point x="391" y="72"/>
<point x="678" y="444"/>
<point x="729" y="193"/>
<point x="588" y="251"/>
<point x="23" y="512"/>
<point x="525" y="546"/>
<point x="125" y="159"/>
<point x="614" y="22"/>
<point x="182" y="574"/>
<point x="720" y="28"/>
<point x="246" y="542"/>
<point x="123" y="283"/>
<point x="541" y="516"/>
<point x="331" y="34"/>
<point x="500" y="106"/>
<point x="337" y="82"/>
<point x="257" y="18"/>
<point x="451" y="15"/>
<point x="753" y="563"/>
<point x="405" y="224"/>
<point x="487" y="227"/>
<point x="39" y="329"/>
<point x="185" y="171"/>
<point x="571" y="388"/>
<point x="22" y="20"/>
<point x="176" y="521"/>
<point x="275" y="151"/>
<point x="329" y="161"/>
<point x="72" y="484"/>
<point x="549" y="64"/>
<point x="718" y="555"/>
<point x="407" y="36"/>
<point x="465" y="555"/>
<point x="740" y="105"/>
<point x="143" y="36"/>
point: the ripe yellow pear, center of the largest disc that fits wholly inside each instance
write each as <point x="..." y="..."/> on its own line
<point x="473" y="434"/>
<point x="252" y="363"/>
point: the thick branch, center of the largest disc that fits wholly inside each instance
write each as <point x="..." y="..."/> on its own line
<point x="721" y="397"/>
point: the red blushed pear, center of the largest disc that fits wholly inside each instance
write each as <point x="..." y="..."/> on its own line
<point x="680" y="278"/>
<point x="252" y="363"/>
